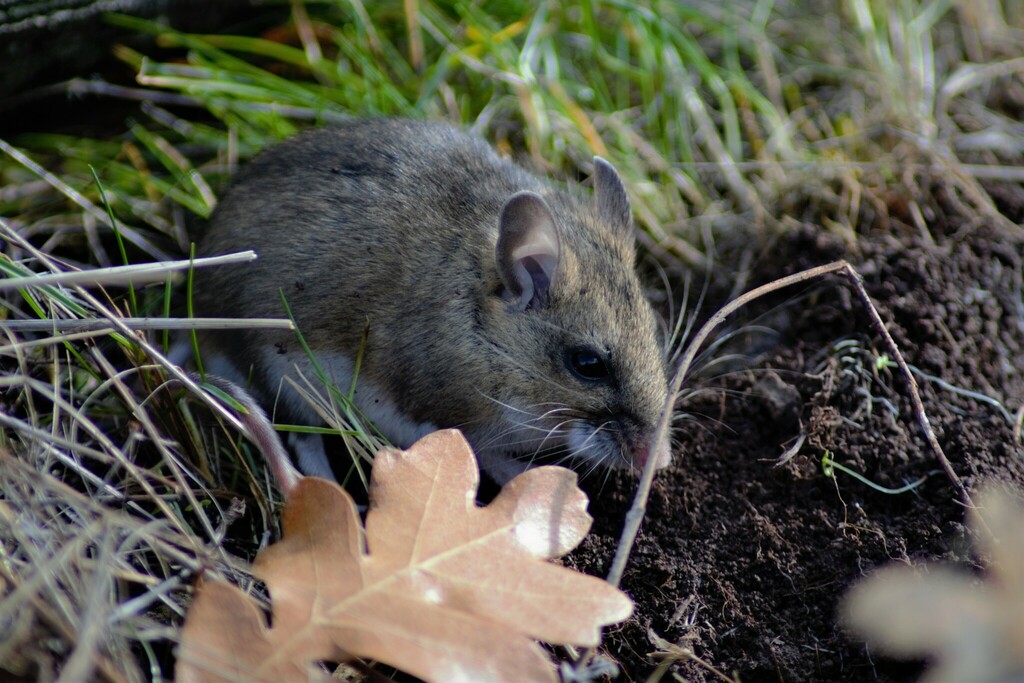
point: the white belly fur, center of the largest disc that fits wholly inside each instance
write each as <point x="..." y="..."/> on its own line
<point x="373" y="403"/>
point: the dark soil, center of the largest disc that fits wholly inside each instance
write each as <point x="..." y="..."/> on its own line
<point x="745" y="561"/>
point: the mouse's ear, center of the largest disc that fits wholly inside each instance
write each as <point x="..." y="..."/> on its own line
<point x="612" y="199"/>
<point x="528" y="250"/>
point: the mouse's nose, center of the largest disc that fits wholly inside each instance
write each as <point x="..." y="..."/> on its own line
<point x="662" y="452"/>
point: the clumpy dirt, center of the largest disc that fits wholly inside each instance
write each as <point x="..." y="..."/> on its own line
<point x="745" y="561"/>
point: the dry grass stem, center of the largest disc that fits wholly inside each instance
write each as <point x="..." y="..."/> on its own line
<point x="101" y="326"/>
<point x="120" y="275"/>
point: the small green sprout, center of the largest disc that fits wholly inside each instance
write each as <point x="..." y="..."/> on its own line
<point x="829" y="465"/>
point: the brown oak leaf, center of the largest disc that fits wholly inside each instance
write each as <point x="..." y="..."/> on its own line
<point x="436" y="586"/>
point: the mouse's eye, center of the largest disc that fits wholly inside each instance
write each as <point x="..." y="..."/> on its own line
<point x="588" y="365"/>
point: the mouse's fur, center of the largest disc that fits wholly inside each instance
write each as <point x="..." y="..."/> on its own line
<point x="475" y="282"/>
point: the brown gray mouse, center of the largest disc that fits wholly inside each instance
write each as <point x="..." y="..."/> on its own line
<point x="491" y="300"/>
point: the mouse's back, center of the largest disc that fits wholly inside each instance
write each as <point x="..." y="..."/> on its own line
<point x="489" y="300"/>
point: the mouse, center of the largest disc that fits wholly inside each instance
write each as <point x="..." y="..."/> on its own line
<point x="473" y="293"/>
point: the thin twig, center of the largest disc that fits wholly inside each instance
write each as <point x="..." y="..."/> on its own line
<point x="636" y="513"/>
<point x="915" y="397"/>
<point x="123" y="275"/>
<point x="94" y="324"/>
